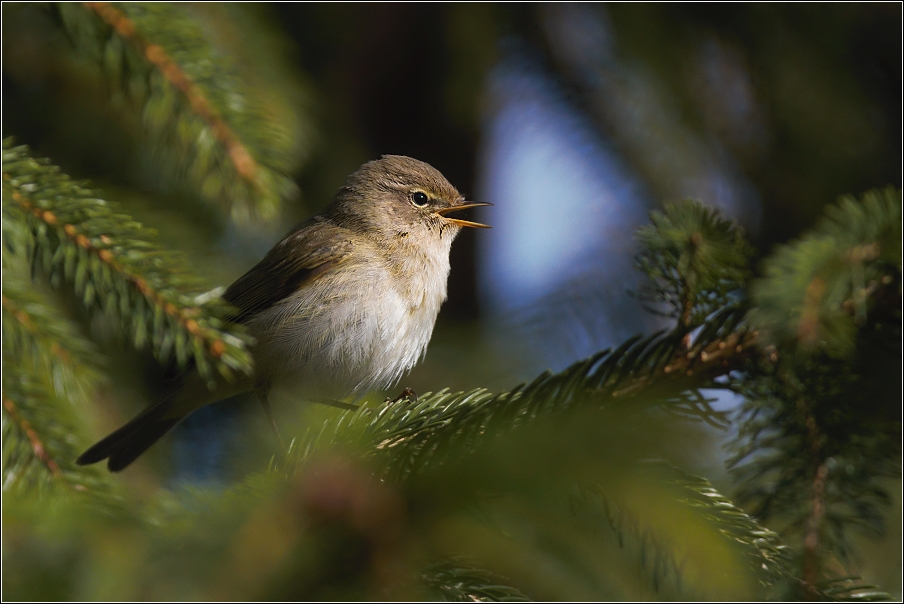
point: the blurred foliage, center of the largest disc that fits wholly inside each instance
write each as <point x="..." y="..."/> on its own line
<point x="817" y="291"/>
<point x="49" y="372"/>
<point x="200" y="118"/>
<point x="576" y="485"/>
<point x="820" y="429"/>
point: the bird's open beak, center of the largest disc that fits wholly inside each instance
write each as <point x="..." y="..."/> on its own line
<point x="465" y="223"/>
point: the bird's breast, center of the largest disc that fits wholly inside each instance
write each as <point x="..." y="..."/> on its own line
<point x="351" y="332"/>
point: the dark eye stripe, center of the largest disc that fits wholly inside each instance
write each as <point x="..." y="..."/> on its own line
<point x="419" y="199"/>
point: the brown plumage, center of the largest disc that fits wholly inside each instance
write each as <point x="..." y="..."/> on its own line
<point x="343" y="304"/>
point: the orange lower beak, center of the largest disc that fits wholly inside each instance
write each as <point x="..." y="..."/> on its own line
<point x="464" y="223"/>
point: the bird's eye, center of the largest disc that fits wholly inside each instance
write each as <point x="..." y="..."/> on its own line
<point x="419" y="199"/>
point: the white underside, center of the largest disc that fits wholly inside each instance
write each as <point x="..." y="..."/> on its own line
<point x="340" y="337"/>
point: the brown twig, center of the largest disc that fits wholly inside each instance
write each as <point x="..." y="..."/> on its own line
<point x="687" y="301"/>
<point x="814" y="526"/>
<point x="20" y="315"/>
<point x="813" y="534"/>
<point x="717" y="358"/>
<point x="36" y="445"/>
<point x="242" y="160"/>
<point x="29" y="323"/>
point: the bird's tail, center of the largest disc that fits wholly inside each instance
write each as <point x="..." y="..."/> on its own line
<point x="124" y="445"/>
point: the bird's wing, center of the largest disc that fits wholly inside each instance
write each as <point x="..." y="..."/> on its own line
<point x="306" y="254"/>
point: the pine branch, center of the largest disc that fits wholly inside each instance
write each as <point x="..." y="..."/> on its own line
<point x="49" y="373"/>
<point x="263" y="57"/>
<point x="655" y="368"/>
<point x="203" y="121"/>
<point x="820" y="428"/>
<point x="457" y="580"/>
<point x="113" y="265"/>
<point x="763" y="547"/>
<point x="509" y="499"/>
<point x="509" y="502"/>
<point x="848" y="589"/>
<point x="695" y="260"/>
<point x="42" y="434"/>
<point x="24" y="428"/>
<point x="765" y="558"/>
<point x="815" y="449"/>
<point x="816" y="291"/>
<point x="34" y="331"/>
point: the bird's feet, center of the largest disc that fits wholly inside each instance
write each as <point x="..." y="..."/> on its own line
<point x="406" y="393"/>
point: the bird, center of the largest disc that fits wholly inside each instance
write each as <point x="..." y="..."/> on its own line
<point x="344" y="304"/>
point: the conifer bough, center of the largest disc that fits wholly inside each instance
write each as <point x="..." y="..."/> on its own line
<point x="203" y="124"/>
<point x="115" y="267"/>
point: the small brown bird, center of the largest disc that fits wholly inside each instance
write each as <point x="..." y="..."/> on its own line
<point x="344" y="304"/>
